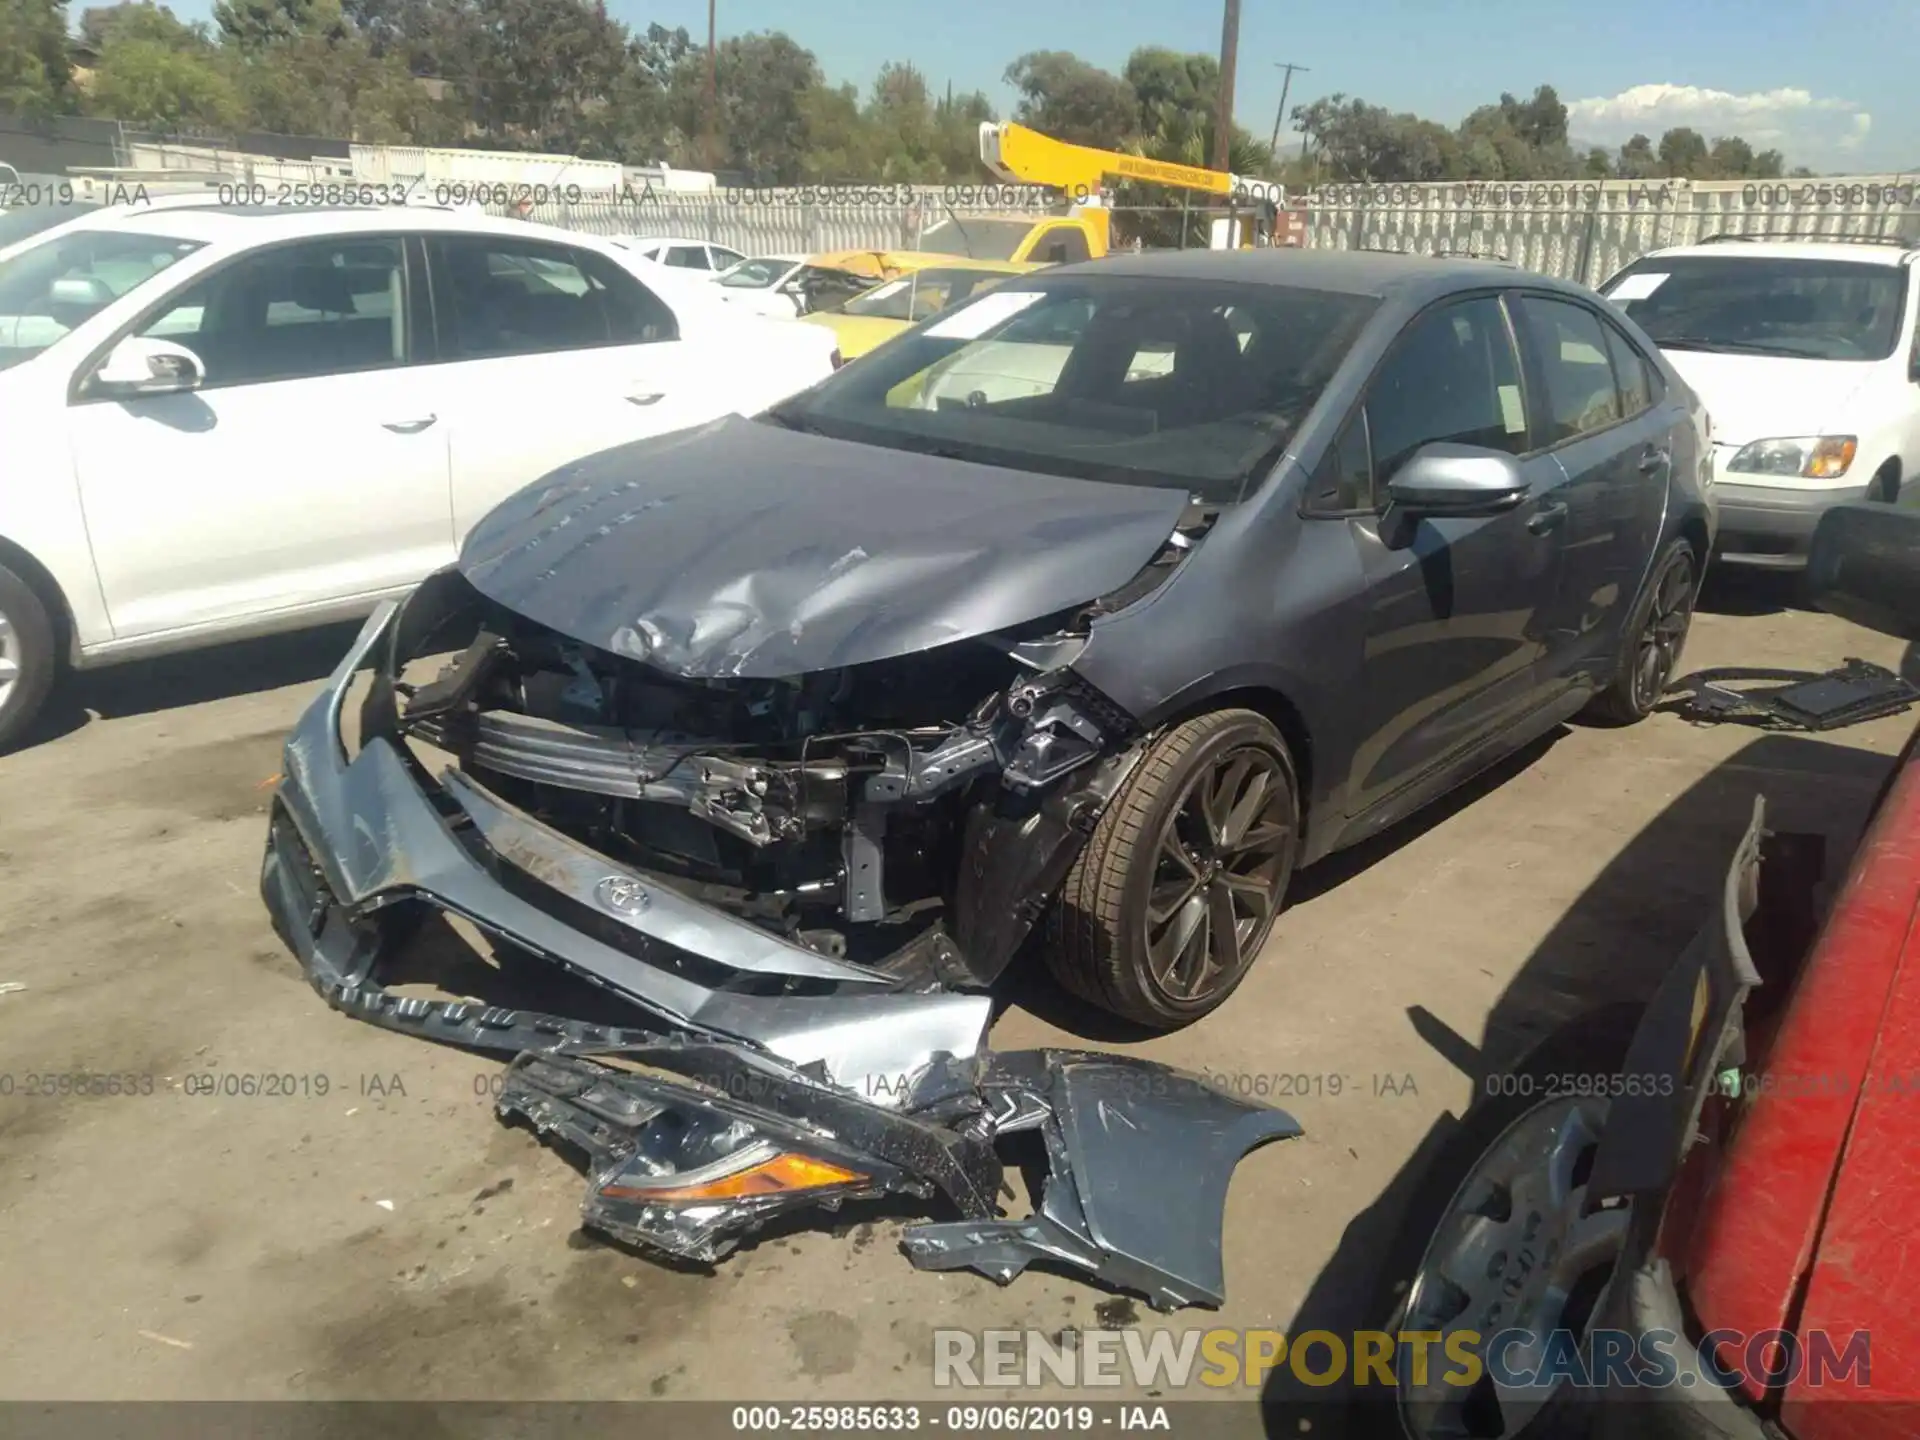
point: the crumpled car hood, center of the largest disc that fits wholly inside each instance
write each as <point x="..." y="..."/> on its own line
<point x="741" y="548"/>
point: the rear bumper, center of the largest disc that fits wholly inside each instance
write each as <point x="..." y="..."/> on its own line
<point x="1764" y="527"/>
<point x="740" y="1034"/>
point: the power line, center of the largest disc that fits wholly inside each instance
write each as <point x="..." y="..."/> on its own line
<point x="1273" y="146"/>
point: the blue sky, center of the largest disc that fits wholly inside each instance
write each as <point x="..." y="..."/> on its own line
<point x="1831" y="84"/>
<point x="1439" y="58"/>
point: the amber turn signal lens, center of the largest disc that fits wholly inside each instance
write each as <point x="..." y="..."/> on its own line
<point x="1831" y="456"/>
<point x="780" y="1175"/>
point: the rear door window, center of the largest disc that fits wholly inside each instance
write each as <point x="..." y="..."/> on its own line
<point x="513" y="297"/>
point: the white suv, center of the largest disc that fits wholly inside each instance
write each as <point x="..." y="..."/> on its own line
<point x="228" y="421"/>
<point x="1806" y="357"/>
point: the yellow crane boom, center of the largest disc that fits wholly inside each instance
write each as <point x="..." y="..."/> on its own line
<point x="1015" y="152"/>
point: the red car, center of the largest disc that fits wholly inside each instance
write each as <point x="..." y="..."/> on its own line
<point x="1707" y="1226"/>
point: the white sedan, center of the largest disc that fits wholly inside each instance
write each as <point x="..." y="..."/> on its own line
<point x="228" y="421"/>
<point x="680" y="253"/>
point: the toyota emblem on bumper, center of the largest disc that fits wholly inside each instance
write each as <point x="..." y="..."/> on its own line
<point x="623" y="895"/>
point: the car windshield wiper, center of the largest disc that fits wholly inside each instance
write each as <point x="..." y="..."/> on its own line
<point x="790" y="420"/>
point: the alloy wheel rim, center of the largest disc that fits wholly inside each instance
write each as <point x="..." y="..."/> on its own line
<point x="1517" y="1251"/>
<point x="10" y="658"/>
<point x="1657" y="649"/>
<point x="1219" y="871"/>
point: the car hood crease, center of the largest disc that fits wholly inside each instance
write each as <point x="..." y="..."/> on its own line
<point x="745" y="549"/>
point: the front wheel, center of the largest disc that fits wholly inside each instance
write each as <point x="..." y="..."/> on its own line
<point x="1171" y="900"/>
<point x="26" y="657"/>
<point x="1656" y="634"/>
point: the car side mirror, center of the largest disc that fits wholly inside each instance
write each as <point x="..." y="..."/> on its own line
<point x="1864" y="565"/>
<point x="139" y="366"/>
<point x="1444" y="479"/>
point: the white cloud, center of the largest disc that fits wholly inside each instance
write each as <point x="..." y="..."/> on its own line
<point x="1808" y="127"/>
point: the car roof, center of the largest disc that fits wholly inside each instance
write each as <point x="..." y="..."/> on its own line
<point x="1865" y="251"/>
<point x="667" y="240"/>
<point x="210" y="222"/>
<point x="1380" y="273"/>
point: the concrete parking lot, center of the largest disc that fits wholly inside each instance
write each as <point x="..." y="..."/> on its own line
<point x="377" y="1233"/>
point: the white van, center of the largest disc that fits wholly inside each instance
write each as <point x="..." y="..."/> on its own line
<point x="1806" y="357"/>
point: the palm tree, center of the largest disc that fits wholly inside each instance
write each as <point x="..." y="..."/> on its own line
<point x="1166" y="217"/>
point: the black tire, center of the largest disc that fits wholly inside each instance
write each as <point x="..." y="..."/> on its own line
<point x="1098" y="936"/>
<point x="1594" y="1045"/>
<point x="28" y="657"/>
<point x="1885" y="485"/>
<point x="1641" y="677"/>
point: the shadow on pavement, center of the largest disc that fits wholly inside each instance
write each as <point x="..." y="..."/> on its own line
<point x="1751" y="592"/>
<point x="168" y="682"/>
<point x="1610" y="948"/>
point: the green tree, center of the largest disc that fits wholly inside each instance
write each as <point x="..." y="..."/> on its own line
<point x="155" y="69"/>
<point x="1683" y="153"/>
<point x="1352" y="140"/>
<point x="763" y="82"/>
<point x="168" y="87"/>
<point x="35" y="76"/>
<point x="1176" y="95"/>
<point x="1637" y="160"/>
<point x="252" y="25"/>
<point x="1063" y="96"/>
<point x="142" y="20"/>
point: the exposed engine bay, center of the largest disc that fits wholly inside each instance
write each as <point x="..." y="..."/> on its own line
<point x="844" y="810"/>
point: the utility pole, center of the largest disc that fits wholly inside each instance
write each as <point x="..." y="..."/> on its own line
<point x="713" y="93"/>
<point x="1223" y="113"/>
<point x="1273" y="147"/>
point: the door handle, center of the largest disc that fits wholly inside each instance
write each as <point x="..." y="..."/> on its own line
<point x="408" y="427"/>
<point x="1547" y="517"/>
<point x="652" y="398"/>
<point x="1653" y="458"/>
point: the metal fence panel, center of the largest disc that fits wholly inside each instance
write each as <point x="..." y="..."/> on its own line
<point x="1589" y="230"/>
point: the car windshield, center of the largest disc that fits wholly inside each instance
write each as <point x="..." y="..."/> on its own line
<point x="29" y="220"/>
<point x="49" y="288"/>
<point x="1176" y="383"/>
<point x="976" y="239"/>
<point x="756" y="274"/>
<point x="916" y="296"/>
<point x="1765" y="305"/>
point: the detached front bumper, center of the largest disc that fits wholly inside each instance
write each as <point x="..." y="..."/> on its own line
<point x="757" y="1076"/>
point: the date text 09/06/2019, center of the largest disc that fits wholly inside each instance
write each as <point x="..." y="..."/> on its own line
<point x="1045" y="1419"/>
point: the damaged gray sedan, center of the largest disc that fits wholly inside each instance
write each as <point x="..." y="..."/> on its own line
<point x="1093" y="608"/>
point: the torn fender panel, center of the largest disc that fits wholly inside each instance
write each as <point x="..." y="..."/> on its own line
<point x="692" y="1146"/>
<point x="1139" y="1160"/>
<point x="744" y="549"/>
